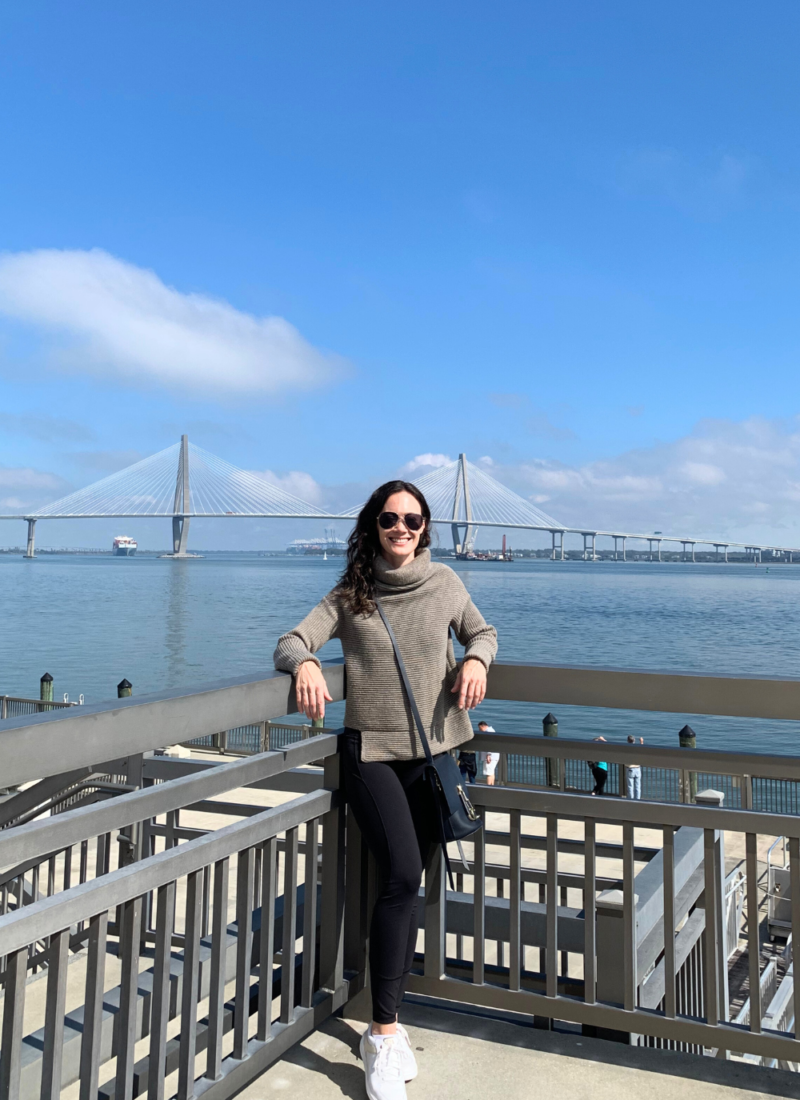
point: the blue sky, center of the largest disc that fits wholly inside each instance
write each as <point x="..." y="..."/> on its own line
<point x="560" y="237"/>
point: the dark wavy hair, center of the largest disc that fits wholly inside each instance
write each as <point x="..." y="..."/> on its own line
<point x="357" y="584"/>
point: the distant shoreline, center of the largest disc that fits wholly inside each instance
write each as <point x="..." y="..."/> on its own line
<point x="440" y="553"/>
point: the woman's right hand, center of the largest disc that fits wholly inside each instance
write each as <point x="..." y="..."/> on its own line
<point x="311" y="690"/>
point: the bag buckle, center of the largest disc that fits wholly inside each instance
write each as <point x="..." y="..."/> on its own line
<point x="467" y="804"/>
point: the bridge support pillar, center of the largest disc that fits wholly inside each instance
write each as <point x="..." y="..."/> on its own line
<point x="180" y="535"/>
<point x="594" y="551"/>
<point x="30" y="551"/>
<point x="623" y="548"/>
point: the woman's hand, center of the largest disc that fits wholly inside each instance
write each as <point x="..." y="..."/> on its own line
<point x="470" y="684"/>
<point x="311" y="690"/>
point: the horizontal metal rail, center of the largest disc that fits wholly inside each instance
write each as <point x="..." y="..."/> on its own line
<point x="49" y="915"/>
<point x="709" y="761"/>
<point x="128" y="726"/>
<point x="37" y="746"/>
<point x="774" y="697"/>
<point x="39" y="838"/>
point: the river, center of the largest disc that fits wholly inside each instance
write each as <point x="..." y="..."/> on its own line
<point x="91" y="620"/>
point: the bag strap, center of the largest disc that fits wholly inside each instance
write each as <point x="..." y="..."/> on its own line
<point x="404" y="677"/>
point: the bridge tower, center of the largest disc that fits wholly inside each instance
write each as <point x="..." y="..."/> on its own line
<point x="182" y="505"/>
<point x="462" y="543"/>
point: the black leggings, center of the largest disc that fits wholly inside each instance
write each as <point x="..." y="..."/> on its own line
<point x="600" y="777"/>
<point x="393" y="807"/>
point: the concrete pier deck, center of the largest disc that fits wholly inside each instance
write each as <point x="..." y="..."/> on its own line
<point x="465" y="1057"/>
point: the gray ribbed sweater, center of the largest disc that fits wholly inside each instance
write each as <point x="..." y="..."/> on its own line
<point x="422" y="601"/>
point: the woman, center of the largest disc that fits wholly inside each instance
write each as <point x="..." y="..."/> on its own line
<point x="599" y="772"/>
<point x="382" y="759"/>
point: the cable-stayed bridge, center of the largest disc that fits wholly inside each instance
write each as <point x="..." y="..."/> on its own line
<point x="185" y="481"/>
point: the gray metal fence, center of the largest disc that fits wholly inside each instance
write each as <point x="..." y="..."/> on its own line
<point x="261" y="737"/>
<point x="613" y="914"/>
<point x="12" y="706"/>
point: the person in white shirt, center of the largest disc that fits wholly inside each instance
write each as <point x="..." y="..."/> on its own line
<point x="489" y="760"/>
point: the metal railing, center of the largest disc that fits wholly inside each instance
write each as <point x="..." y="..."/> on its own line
<point x="12" y="706"/>
<point x="186" y="889"/>
<point x="263" y="737"/>
<point x="613" y="914"/>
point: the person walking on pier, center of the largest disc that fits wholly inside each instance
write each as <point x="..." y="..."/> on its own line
<point x="599" y="772"/>
<point x="382" y="758"/>
<point x="634" y="772"/>
<point x="468" y="766"/>
<point x="489" y="760"/>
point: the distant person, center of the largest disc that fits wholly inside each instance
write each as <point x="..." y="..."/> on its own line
<point x="634" y="772"/>
<point x="383" y="766"/>
<point x="599" y="772"/>
<point x="489" y="760"/>
<point x="468" y="766"/>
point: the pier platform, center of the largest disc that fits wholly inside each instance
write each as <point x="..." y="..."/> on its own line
<point x="467" y="1057"/>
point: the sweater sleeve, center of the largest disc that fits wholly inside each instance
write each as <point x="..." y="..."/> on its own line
<point x="478" y="638"/>
<point x="299" y="645"/>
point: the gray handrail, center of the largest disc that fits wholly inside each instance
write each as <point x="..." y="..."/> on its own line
<point x="39" y="838"/>
<point x="712" y="761"/>
<point x="41" y="745"/>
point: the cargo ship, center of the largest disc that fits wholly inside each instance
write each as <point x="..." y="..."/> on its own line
<point x="124" y="547"/>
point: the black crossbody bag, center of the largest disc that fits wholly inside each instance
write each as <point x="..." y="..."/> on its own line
<point x="456" y="815"/>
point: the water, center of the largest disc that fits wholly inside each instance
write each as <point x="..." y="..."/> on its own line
<point x="90" y="621"/>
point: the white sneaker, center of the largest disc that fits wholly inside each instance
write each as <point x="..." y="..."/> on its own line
<point x="383" y="1067"/>
<point x="406" y="1054"/>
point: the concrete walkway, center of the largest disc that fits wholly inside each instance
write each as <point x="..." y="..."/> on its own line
<point x="464" y="1057"/>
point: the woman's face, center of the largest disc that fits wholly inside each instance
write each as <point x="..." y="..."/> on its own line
<point x="399" y="544"/>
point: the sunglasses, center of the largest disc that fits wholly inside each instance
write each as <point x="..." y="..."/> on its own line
<point x="413" y="520"/>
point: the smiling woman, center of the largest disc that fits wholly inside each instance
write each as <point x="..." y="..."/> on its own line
<point x="390" y="574"/>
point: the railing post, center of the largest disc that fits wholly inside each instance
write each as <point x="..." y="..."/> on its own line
<point x="435" y="901"/>
<point x="747" y="792"/>
<point x="611" y="952"/>
<point x="502" y="770"/>
<point x="356" y="928"/>
<point x="331" y="948"/>
<point x="716" y="798"/>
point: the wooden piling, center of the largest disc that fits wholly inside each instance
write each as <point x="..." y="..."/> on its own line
<point x="46" y="688"/>
<point x="688" y="740"/>
<point x="124" y="689"/>
<point x="550" y="729"/>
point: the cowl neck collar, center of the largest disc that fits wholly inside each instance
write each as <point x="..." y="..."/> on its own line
<point x="407" y="577"/>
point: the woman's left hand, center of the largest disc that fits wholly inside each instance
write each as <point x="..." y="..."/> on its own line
<point x="470" y="684"/>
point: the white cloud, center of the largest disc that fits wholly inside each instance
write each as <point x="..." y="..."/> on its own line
<point x="432" y="461"/>
<point x="296" y="482"/>
<point x="703" y="473"/>
<point x="107" y="317"/>
<point x="737" y="480"/>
